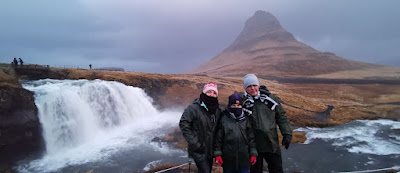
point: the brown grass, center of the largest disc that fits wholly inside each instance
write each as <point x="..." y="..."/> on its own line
<point x="8" y="77"/>
<point x="385" y="72"/>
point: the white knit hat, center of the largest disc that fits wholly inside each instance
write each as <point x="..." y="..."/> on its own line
<point x="250" y="79"/>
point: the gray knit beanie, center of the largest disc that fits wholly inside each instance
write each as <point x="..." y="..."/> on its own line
<point x="250" y="79"/>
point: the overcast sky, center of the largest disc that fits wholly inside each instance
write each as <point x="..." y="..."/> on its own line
<point x="173" y="36"/>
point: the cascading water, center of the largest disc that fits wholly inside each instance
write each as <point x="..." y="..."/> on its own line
<point x="107" y="127"/>
<point x="93" y="121"/>
<point x="356" y="146"/>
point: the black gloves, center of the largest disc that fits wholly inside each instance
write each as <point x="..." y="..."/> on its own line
<point x="286" y="141"/>
<point x="200" y="150"/>
<point x="263" y="90"/>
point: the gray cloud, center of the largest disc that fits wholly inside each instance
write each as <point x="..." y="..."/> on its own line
<point x="177" y="35"/>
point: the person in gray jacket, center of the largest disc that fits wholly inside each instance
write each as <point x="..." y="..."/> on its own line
<point x="198" y="124"/>
<point x="266" y="113"/>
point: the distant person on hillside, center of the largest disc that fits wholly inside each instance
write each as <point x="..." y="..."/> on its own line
<point x="15" y="62"/>
<point x="235" y="146"/>
<point x="266" y="114"/>
<point x="21" y="62"/>
<point x="90" y="66"/>
<point x="198" y="125"/>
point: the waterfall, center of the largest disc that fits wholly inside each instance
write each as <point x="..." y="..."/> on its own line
<point x="86" y="121"/>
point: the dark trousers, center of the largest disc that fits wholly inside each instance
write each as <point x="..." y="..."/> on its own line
<point x="274" y="161"/>
<point x="204" y="166"/>
<point x="243" y="170"/>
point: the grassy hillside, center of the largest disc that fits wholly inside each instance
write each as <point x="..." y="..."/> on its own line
<point x="305" y="103"/>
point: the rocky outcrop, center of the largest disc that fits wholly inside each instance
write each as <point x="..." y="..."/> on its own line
<point x="20" y="131"/>
<point x="36" y="72"/>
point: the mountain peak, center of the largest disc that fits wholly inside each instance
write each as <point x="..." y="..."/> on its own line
<point x="265" y="48"/>
<point x="262" y="26"/>
<point x="263" y="20"/>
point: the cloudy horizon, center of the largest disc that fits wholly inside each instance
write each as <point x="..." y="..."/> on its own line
<point x="177" y="35"/>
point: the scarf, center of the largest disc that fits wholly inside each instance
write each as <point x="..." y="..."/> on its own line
<point x="235" y="114"/>
<point x="210" y="102"/>
<point x="249" y="102"/>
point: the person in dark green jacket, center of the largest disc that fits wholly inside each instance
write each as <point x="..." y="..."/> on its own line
<point x="198" y="125"/>
<point x="234" y="146"/>
<point x="265" y="114"/>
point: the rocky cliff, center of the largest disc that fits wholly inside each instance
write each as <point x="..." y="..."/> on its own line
<point x="20" y="131"/>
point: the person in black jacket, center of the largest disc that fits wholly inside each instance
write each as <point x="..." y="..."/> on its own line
<point x="234" y="146"/>
<point x="15" y="62"/>
<point x="21" y="62"/>
<point x="198" y="124"/>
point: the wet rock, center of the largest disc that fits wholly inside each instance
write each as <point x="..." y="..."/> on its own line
<point x="397" y="131"/>
<point x="173" y="138"/>
<point x="156" y="139"/>
<point x="20" y="131"/>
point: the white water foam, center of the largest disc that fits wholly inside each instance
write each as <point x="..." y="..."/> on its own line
<point x="361" y="136"/>
<point x="88" y="121"/>
<point x="152" y="165"/>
